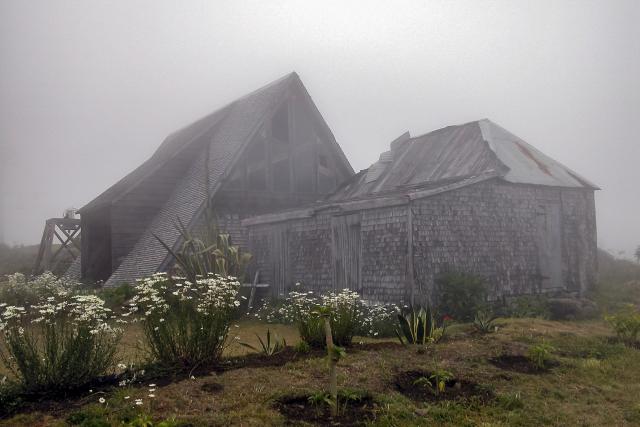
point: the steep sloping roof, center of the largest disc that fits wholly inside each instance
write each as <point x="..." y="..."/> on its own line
<point x="228" y="131"/>
<point x="232" y="127"/>
<point x="456" y="153"/>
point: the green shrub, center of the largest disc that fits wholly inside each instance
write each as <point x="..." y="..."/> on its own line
<point x="186" y="323"/>
<point x="540" y="354"/>
<point x="528" y="306"/>
<point x="62" y="343"/>
<point x="116" y="297"/>
<point x="418" y="326"/>
<point x="302" y="347"/>
<point x="626" y="324"/>
<point x="460" y="295"/>
<point x="21" y="291"/>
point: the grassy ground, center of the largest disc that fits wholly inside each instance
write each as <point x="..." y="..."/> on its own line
<point x="595" y="382"/>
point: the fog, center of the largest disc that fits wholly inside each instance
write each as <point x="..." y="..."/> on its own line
<point x="89" y="89"/>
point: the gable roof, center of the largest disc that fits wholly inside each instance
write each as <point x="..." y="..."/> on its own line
<point x="456" y="153"/>
<point x="227" y="131"/>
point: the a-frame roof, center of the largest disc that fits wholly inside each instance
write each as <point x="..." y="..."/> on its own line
<point x="227" y="132"/>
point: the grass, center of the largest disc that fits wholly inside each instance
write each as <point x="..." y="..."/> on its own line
<point x="595" y="383"/>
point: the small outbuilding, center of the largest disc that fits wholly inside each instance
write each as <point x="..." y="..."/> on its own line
<point x="472" y="198"/>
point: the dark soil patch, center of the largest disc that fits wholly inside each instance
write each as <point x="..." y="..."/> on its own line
<point x="374" y="346"/>
<point x="409" y="383"/>
<point x="257" y="360"/>
<point x="212" y="387"/>
<point x="521" y="364"/>
<point x="355" y="412"/>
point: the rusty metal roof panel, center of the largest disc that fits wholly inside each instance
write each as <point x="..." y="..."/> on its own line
<point x="526" y="164"/>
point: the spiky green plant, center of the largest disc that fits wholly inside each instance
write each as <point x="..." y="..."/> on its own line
<point x="484" y="321"/>
<point x="209" y="252"/>
<point x="269" y="346"/>
<point x="418" y="326"/>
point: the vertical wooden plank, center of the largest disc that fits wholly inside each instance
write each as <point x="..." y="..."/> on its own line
<point x="410" y="274"/>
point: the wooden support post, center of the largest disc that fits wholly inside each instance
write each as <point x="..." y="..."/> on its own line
<point x="66" y="231"/>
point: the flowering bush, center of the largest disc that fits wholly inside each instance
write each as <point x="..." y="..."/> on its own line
<point x="350" y="316"/>
<point x="61" y="342"/>
<point x="20" y="291"/>
<point x="185" y="323"/>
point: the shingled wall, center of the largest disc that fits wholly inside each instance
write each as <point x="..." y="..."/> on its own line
<point x="490" y="229"/>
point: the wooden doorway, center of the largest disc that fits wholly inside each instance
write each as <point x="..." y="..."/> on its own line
<point x="549" y="241"/>
<point x="346" y="252"/>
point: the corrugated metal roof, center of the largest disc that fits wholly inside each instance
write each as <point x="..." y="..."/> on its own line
<point x="457" y="152"/>
<point x="526" y="164"/>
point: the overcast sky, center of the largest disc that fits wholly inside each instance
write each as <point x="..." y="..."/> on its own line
<point x="89" y="89"/>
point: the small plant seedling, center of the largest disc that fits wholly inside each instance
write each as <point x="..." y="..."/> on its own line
<point x="539" y="354"/>
<point x="437" y="380"/>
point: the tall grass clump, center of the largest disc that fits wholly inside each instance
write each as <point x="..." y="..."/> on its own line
<point x="185" y="323"/>
<point x="62" y="342"/>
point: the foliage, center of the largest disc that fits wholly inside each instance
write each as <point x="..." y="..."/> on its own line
<point x="97" y="416"/>
<point x="116" y="297"/>
<point x="20" y="291"/>
<point x="269" y="346"/>
<point x="437" y="380"/>
<point x="511" y="401"/>
<point x="185" y="323"/>
<point x="418" y="326"/>
<point x="460" y="295"/>
<point x="320" y="399"/>
<point x="529" y="306"/>
<point x="302" y="347"/>
<point x="348" y="315"/>
<point x="212" y="252"/>
<point x="62" y="342"/>
<point x="626" y="324"/>
<point x="484" y="321"/>
<point x="10" y="399"/>
<point x="540" y="354"/>
<point x="352" y="316"/>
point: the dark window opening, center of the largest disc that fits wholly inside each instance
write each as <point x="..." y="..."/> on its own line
<point x="322" y="161"/>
